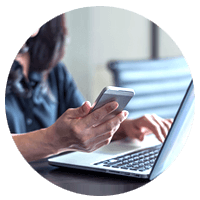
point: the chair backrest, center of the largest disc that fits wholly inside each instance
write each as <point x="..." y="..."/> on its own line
<point x="159" y="85"/>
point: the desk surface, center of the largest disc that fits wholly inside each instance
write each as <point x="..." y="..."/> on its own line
<point x="92" y="183"/>
<point x="86" y="182"/>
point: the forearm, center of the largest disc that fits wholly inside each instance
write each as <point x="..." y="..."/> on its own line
<point x="33" y="145"/>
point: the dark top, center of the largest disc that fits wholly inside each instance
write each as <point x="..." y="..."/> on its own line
<point x="40" y="110"/>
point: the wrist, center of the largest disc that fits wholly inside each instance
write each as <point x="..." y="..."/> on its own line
<point x="50" y="141"/>
<point x="54" y="143"/>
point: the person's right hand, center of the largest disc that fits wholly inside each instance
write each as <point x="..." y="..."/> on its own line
<point x="79" y="130"/>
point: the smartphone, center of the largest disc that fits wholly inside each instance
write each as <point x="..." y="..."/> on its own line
<point x="111" y="93"/>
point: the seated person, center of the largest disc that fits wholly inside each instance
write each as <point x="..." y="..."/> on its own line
<point x="47" y="114"/>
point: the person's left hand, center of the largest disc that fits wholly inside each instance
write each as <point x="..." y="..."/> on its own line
<point x="138" y="128"/>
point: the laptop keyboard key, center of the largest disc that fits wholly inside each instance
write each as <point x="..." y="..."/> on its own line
<point x="124" y="167"/>
<point x="147" y="166"/>
<point x="132" y="168"/>
<point x="141" y="169"/>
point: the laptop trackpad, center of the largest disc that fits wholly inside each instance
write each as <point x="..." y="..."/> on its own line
<point x="122" y="146"/>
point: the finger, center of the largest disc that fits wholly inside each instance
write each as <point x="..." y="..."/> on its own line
<point x="148" y="122"/>
<point x="167" y="123"/>
<point x="111" y="124"/>
<point x="141" y="138"/>
<point x="80" y="111"/>
<point x="93" y="105"/>
<point x="170" y="120"/>
<point x="139" y="134"/>
<point x="162" y="125"/>
<point x="96" y="116"/>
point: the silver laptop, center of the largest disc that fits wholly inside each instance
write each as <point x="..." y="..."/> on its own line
<point x="146" y="159"/>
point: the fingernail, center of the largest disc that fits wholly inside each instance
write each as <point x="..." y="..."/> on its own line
<point x="86" y="102"/>
<point x="126" y="113"/>
<point x="85" y="108"/>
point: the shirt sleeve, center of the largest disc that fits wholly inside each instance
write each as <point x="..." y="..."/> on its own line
<point x="65" y="89"/>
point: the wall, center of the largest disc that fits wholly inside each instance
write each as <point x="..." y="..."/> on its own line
<point x="101" y="34"/>
<point x="167" y="47"/>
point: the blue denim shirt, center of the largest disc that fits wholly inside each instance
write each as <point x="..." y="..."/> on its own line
<point x="39" y="110"/>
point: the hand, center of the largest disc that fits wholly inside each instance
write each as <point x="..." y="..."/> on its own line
<point x="78" y="130"/>
<point x="138" y="128"/>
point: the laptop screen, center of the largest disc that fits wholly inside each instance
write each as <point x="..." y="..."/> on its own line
<point x="177" y="135"/>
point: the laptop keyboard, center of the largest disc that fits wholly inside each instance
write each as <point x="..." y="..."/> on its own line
<point x="139" y="161"/>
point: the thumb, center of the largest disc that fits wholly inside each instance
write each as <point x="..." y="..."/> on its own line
<point x="80" y="111"/>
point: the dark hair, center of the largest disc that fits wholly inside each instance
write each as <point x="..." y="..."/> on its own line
<point x="45" y="49"/>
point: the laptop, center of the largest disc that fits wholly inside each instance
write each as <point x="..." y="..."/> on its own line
<point x="146" y="159"/>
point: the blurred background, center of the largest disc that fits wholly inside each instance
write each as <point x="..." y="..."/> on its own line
<point x="99" y="35"/>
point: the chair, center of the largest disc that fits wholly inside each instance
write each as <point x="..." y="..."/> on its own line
<point x="159" y="85"/>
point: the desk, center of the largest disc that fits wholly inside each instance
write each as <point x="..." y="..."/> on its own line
<point x="90" y="183"/>
<point x="86" y="182"/>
